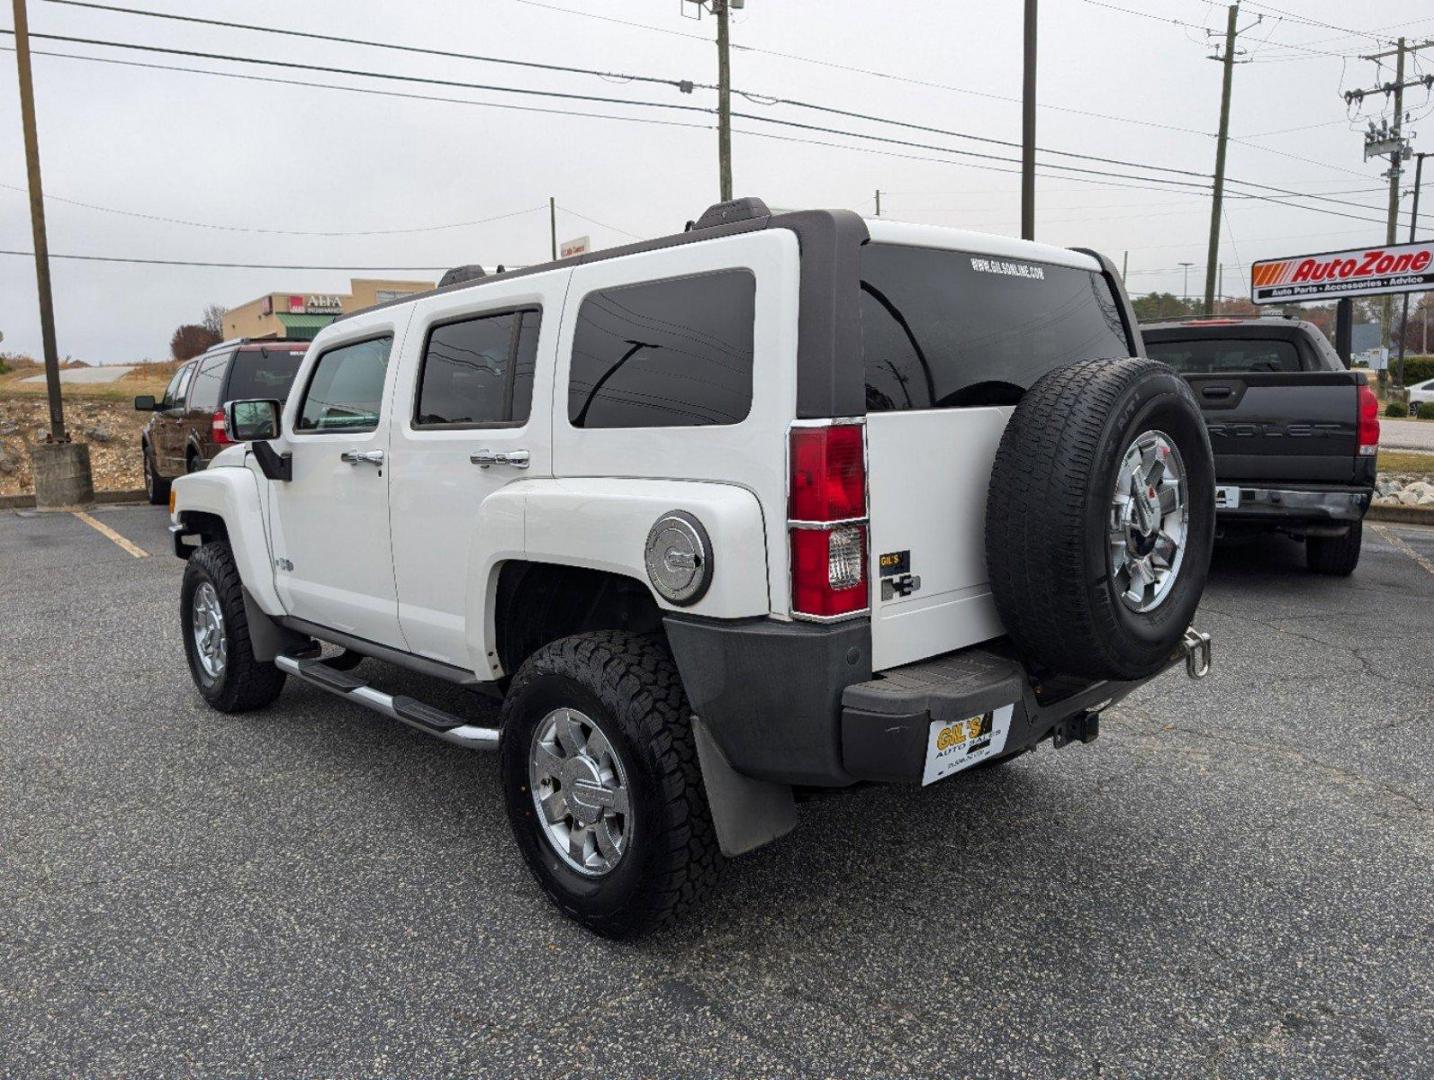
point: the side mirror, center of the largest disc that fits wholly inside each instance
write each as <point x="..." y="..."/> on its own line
<point x="251" y="421"/>
<point x="144" y="403"/>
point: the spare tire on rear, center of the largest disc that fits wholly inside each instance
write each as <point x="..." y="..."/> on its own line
<point x="1101" y="518"/>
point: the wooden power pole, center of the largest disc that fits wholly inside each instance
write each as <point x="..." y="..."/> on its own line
<point x="1213" y="256"/>
<point x="1028" y="127"/>
<point x="37" y="223"/>
<point x="724" y="101"/>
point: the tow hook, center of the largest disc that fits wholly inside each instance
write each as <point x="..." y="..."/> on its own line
<point x="1196" y="647"/>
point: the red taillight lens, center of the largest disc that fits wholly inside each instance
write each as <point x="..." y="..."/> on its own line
<point x="216" y="425"/>
<point x="829" y="570"/>
<point x="828" y="474"/>
<point x="1368" y="421"/>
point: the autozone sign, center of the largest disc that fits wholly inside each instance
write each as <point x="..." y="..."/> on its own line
<point x="1392" y="268"/>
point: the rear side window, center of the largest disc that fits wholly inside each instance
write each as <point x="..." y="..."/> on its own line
<point x="1218" y="356"/>
<point x="673" y="353"/>
<point x="262" y="373"/>
<point x="204" y="390"/>
<point x="345" y="391"/>
<point x="942" y="329"/>
<point x="478" y="371"/>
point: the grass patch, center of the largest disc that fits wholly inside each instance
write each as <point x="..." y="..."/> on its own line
<point x="1406" y="461"/>
<point x="139" y="381"/>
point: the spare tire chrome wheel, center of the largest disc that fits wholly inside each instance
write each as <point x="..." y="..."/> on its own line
<point x="1149" y="521"/>
<point x="1101" y="518"/>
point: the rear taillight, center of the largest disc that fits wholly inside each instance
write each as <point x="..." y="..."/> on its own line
<point x="1368" y="421"/>
<point x="826" y="508"/>
<point x="216" y="425"/>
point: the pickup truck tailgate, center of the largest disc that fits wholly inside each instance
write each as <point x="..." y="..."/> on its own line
<point x="1282" y="426"/>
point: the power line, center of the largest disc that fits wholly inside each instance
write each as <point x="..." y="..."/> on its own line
<point x="229" y="265"/>
<point x="366" y="74"/>
<point x="600" y="224"/>
<point x="683" y="85"/>
<point x="275" y="232"/>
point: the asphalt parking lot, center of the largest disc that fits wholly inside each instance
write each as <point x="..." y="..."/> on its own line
<point x="1237" y="879"/>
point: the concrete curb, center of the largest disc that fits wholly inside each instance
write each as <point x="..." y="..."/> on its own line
<point x="1408" y="515"/>
<point x="25" y="502"/>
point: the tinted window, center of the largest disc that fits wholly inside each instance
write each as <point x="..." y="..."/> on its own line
<point x="180" y="386"/>
<point x="944" y="328"/>
<point x="1217" y="356"/>
<point x="479" y="371"/>
<point x="204" y="392"/>
<point x="672" y="353"/>
<point x="346" y="390"/>
<point x="171" y="392"/>
<point x="262" y="373"/>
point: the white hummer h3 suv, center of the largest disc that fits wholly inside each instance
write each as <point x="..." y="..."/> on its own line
<point x="786" y="501"/>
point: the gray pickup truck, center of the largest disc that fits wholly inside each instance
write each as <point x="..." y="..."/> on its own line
<point x="1294" y="432"/>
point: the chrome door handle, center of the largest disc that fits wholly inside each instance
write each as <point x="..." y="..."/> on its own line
<point x="369" y="457"/>
<point x="518" y="459"/>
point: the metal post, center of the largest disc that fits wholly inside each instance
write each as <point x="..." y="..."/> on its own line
<point x="37" y="224"/>
<point x="553" y="225"/>
<point x="1124" y="266"/>
<point x="1213" y="258"/>
<point x="878" y="202"/>
<point x="1185" y="291"/>
<point x="724" y="102"/>
<point x="1413" y="223"/>
<point x="1344" y="328"/>
<point x="1028" y="128"/>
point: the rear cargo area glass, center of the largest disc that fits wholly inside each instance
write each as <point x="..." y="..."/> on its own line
<point x="262" y="373"/>
<point x="942" y="329"/>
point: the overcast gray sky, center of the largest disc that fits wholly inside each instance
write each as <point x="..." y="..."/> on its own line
<point x="262" y="155"/>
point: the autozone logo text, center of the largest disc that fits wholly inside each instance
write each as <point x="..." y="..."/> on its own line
<point x="1374" y="263"/>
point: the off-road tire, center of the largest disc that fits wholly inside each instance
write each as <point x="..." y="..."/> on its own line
<point x="156" y="488"/>
<point x="1048" y="515"/>
<point x="629" y="684"/>
<point x="245" y="683"/>
<point x="1335" y="555"/>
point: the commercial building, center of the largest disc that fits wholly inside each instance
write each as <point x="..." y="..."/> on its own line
<point x="302" y="315"/>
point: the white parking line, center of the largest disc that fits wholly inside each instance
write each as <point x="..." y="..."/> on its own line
<point x="105" y="530"/>
<point x="1399" y="543"/>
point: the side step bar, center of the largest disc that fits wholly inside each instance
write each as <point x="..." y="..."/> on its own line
<point x="406" y="710"/>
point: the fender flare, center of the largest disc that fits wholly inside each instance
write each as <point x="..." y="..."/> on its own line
<point x="233" y="495"/>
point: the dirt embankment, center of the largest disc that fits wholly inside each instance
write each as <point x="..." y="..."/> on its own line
<point x="111" y="427"/>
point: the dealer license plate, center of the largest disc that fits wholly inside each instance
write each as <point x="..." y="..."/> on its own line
<point x="963" y="743"/>
<point x="1227" y="498"/>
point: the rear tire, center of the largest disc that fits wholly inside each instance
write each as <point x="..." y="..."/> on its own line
<point x="216" y="635"/>
<point x="634" y="735"/>
<point x="1101" y="518"/>
<point x="1335" y="555"/>
<point x="156" y="489"/>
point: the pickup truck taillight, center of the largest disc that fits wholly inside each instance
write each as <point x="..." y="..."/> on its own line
<point x="826" y="520"/>
<point x="1368" y="421"/>
<point x="216" y="425"/>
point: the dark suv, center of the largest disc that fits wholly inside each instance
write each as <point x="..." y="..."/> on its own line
<point x="187" y="428"/>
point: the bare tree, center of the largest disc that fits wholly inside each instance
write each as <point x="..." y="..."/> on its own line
<point x="191" y="339"/>
<point x="213" y="320"/>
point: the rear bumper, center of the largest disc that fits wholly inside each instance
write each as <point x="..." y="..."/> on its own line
<point x="796" y="703"/>
<point x="1283" y="504"/>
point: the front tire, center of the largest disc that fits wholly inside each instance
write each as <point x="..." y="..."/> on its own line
<point x="603" y="787"/>
<point x="156" y="488"/>
<point x="216" y="635"/>
<point x="1335" y="555"/>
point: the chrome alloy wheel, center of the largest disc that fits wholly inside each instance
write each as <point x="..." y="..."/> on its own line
<point x="580" y="791"/>
<point x="1149" y="521"/>
<point x="211" y="644"/>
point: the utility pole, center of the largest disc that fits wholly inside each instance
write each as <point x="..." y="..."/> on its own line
<point x="878" y="202"/>
<point x="1125" y="266"/>
<point x="1212" y="259"/>
<point x="1413" y="224"/>
<point x="1389" y="139"/>
<point x="1028" y="128"/>
<point x="37" y="223"/>
<point x="553" y="225"/>
<point x="61" y="468"/>
<point x="1185" y="296"/>
<point x="724" y="100"/>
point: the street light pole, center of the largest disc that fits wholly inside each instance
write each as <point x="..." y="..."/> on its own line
<point x="1185" y="293"/>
